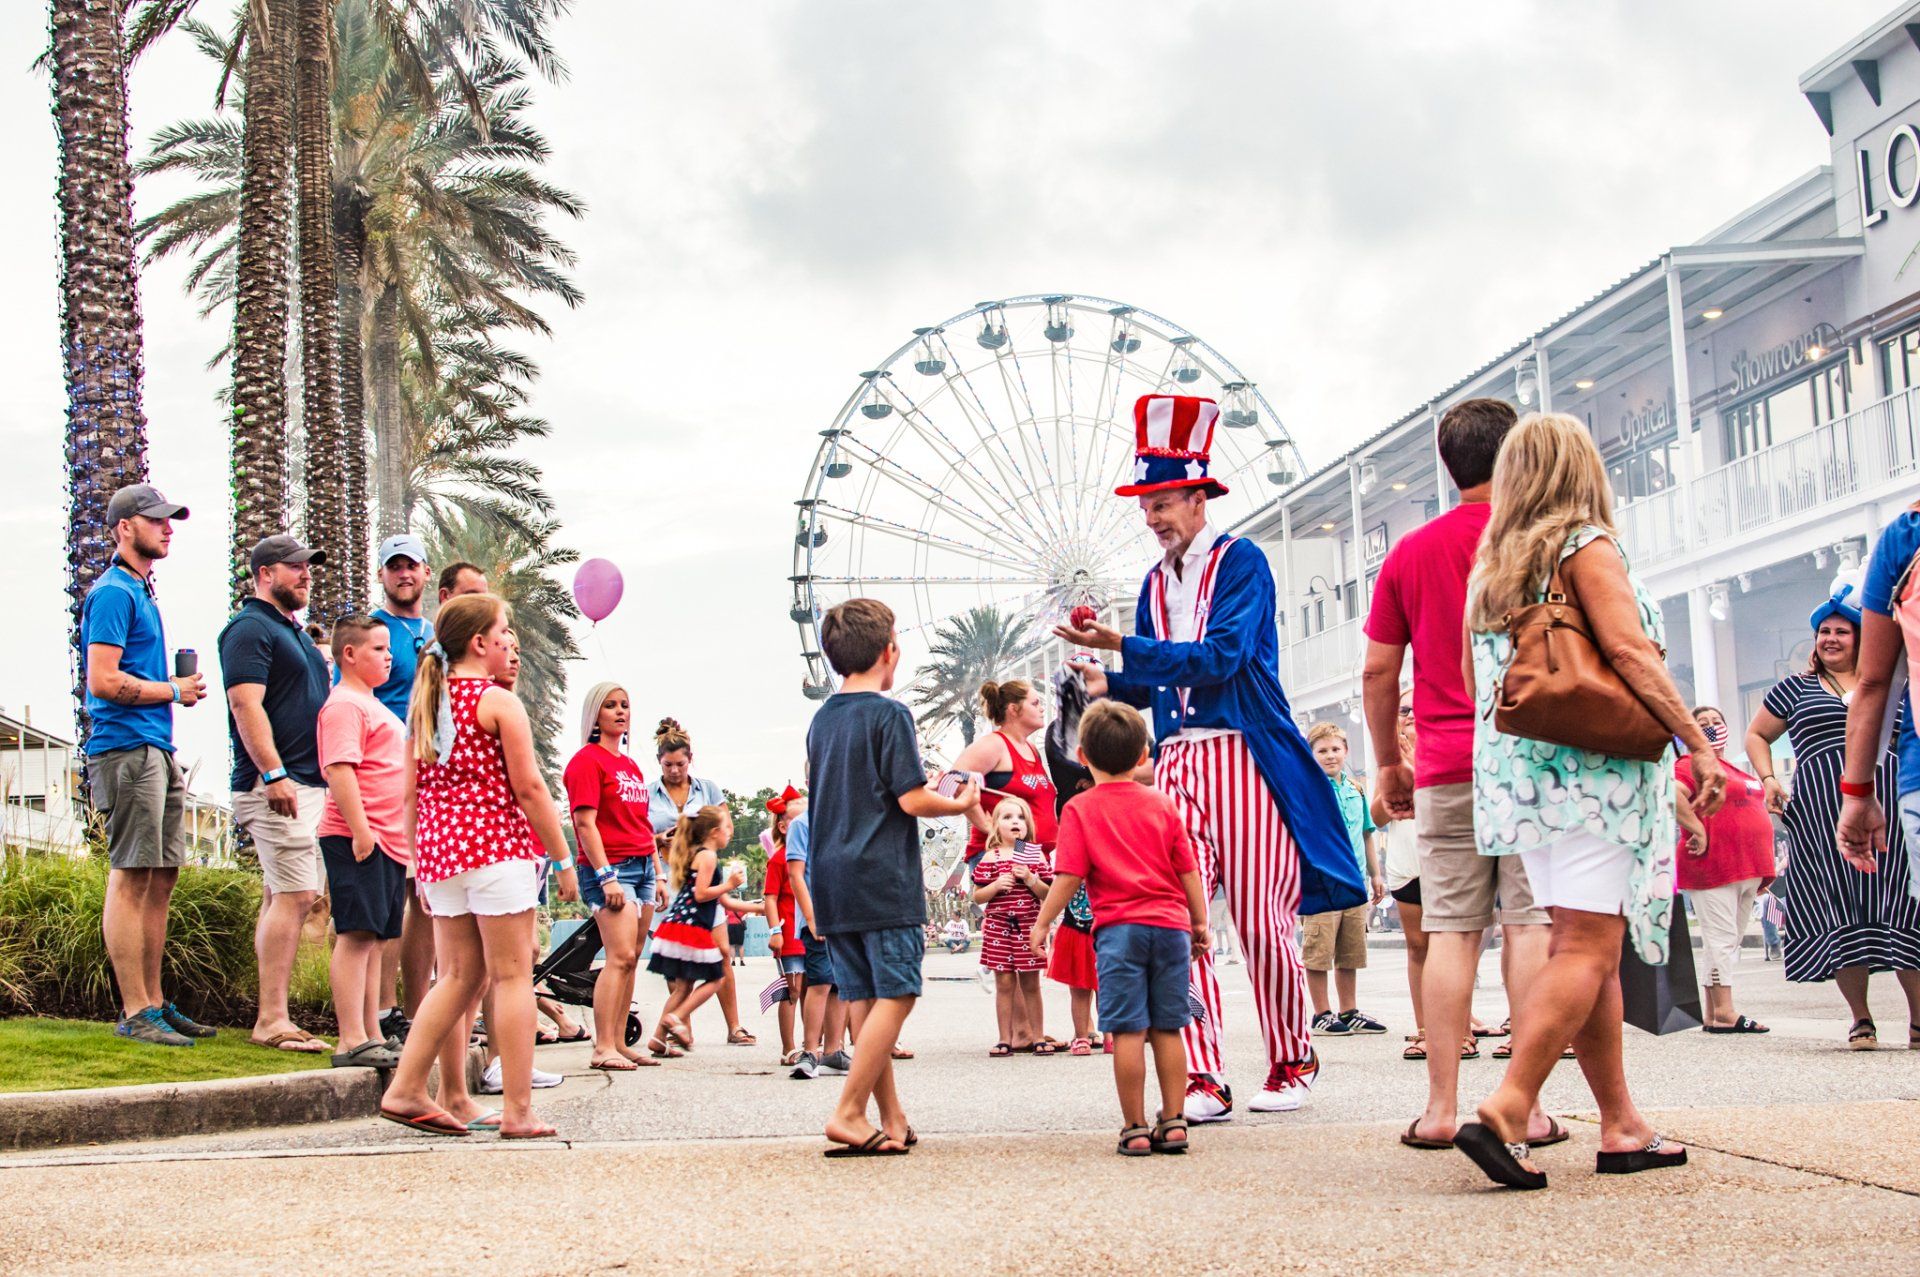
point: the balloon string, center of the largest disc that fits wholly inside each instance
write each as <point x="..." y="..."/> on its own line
<point x="601" y="644"/>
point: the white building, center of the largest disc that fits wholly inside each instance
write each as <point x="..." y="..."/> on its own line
<point x="1788" y="344"/>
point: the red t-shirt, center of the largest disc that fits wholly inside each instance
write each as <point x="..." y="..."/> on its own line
<point x="356" y="728"/>
<point x="1131" y="847"/>
<point x="779" y="889"/>
<point x="614" y="788"/>
<point x="1739" y="835"/>
<point x="1420" y="601"/>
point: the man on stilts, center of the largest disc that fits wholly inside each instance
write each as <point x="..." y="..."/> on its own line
<point x="1265" y="824"/>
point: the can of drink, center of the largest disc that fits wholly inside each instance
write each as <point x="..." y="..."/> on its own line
<point x="186" y="663"/>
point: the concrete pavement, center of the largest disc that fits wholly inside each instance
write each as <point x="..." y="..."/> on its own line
<point x="1804" y="1155"/>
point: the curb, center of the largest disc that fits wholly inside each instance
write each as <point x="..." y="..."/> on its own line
<point x="59" y="1119"/>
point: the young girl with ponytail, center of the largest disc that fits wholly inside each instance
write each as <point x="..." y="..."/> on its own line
<point x="482" y="815"/>
<point x="684" y="948"/>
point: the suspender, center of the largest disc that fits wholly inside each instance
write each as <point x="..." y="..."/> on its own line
<point x="1202" y="601"/>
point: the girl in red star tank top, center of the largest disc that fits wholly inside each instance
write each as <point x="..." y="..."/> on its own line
<point x="480" y="805"/>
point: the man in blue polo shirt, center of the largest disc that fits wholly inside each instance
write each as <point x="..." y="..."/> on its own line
<point x="132" y="778"/>
<point x="403" y="585"/>
<point x="276" y="682"/>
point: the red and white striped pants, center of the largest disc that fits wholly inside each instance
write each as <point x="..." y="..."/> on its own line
<point x="1242" y="843"/>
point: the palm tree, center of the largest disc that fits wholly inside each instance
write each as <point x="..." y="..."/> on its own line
<point x="966" y="651"/>
<point x="441" y="208"/>
<point x="100" y="334"/>
<point x="320" y="307"/>
<point x="519" y="567"/>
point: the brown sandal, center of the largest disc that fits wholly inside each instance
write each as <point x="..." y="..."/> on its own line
<point x="1416" y="1049"/>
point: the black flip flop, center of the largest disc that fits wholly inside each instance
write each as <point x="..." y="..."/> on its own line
<point x="1649" y="1158"/>
<point x="1412" y="1140"/>
<point x="1742" y="1025"/>
<point x="869" y="1147"/>
<point x="1497" y="1158"/>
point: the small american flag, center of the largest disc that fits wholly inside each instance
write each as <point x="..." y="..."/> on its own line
<point x="1195" y="1006"/>
<point x="775" y="992"/>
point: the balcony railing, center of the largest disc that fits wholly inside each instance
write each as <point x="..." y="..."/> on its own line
<point x="1333" y="653"/>
<point x="1830" y="465"/>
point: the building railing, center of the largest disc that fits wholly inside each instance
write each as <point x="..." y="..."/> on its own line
<point x="1828" y="466"/>
<point x="1333" y="653"/>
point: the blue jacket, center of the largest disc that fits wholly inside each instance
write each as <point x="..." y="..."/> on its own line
<point x="1233" y="682"/>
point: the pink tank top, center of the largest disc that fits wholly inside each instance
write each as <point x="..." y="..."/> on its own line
<point x="468" y="817"/>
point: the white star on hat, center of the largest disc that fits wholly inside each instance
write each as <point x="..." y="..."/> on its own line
<point x="1194" y="470"/>
<point x="1140" y="470"/>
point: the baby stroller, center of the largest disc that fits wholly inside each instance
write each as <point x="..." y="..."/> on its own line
<point x="568" y="975"/>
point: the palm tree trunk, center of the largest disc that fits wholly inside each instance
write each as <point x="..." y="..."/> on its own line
<point x="258" y="449"/>
<point x="350" y="242"/>
<point x="392" y="449"/>
<point x="99" y="296"/>
<point x="319" y="307"/>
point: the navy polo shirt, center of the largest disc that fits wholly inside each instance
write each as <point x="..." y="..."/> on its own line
<point x="264" y="645"/>
<point x="120" y="612"/>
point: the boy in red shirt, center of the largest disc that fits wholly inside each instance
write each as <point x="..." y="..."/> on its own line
<point x="1128" y="844"/>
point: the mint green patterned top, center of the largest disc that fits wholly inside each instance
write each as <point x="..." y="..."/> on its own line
<point x="1528" y="794"/>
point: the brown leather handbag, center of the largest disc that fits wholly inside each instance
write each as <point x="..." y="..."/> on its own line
<point x="1560" y="689"/>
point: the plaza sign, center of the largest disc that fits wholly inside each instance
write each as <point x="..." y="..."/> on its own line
<point x="1907" y="138"/>
<point x="1752" y="371"/>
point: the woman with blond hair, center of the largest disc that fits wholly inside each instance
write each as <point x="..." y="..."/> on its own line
<point x="1596" y="831"/>
<point x="482" y="815"/>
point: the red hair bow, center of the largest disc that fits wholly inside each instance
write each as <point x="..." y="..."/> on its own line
<point x="778" y="805"/>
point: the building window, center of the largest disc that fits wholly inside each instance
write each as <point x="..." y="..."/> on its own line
<point x="1900" y="361"/>
<point x="1800" y="407"/>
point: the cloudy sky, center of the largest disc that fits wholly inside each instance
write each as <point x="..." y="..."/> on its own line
<point x="1355" y="203"/>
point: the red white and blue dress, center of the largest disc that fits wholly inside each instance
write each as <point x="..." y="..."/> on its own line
<point x="683" y="944"/>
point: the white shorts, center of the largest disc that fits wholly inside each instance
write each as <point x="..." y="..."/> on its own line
<point x="504" y="887"/>
<point x="1723" y="913"/>
<point x="1580" y="870"/>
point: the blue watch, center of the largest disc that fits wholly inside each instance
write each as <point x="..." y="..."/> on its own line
<point x="278" y="773"/>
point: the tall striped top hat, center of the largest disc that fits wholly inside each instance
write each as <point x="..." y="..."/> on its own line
<point x="1173" y="435"/>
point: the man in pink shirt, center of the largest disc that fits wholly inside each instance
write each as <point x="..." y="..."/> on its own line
<point x="1420" y="602"/>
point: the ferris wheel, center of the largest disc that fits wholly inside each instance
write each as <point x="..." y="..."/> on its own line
<point x="975" y="467"/>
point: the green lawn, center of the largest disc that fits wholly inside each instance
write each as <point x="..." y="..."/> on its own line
<point x="65" y="1055"/>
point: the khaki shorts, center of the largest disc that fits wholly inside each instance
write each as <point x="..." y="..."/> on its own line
<point x="144" y="798"/>
<point x="1458" y="885"/>
<point x="1334" y="941"/>
<point x="289" y="850"/>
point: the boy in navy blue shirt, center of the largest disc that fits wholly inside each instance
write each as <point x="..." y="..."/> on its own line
<point x="867" y="790"/>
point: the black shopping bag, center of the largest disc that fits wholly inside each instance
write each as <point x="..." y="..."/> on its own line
<point x="1662" y="999"/>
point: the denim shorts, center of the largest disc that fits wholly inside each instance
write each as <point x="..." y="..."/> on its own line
<point x="1143" y="976"/>
<point x="817" y="965"/>
<point x="878" y="964"/>
<point x="793" y="964"/>
<point x="636" y="875"/>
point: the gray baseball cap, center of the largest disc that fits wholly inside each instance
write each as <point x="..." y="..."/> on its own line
<point x="282" y="548"/>
<point x="141" y="498"/>
<point x="402" y="543"/>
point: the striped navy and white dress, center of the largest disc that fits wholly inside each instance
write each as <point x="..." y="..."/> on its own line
<point x="1837" y="916"/>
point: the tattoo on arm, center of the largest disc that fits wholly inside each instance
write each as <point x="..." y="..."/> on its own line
<point x="128" y="693"/>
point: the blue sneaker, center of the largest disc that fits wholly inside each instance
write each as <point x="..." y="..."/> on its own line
<point x="178" y="1021"/>
<point x="151" y="1027"/>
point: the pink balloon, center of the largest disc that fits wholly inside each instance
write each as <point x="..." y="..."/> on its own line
<point x="596" y="588"/>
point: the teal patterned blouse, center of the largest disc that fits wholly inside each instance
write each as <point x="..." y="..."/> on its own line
<point x="1528" y="794"/>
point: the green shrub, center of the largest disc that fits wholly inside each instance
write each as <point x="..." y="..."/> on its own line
<point x="53" y="959"/>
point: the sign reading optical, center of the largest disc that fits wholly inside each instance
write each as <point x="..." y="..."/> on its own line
<point x="1902" y="146"/>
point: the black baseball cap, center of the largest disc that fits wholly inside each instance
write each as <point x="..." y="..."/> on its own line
<point x="141" y="498"/>
<point x="282" y="548"/>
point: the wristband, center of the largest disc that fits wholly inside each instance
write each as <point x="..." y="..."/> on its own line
<point x="277" y="774"/>
<point x="176" y="692"/>
<point x="604" y="876"/>
<point x="1852" y="790"/>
